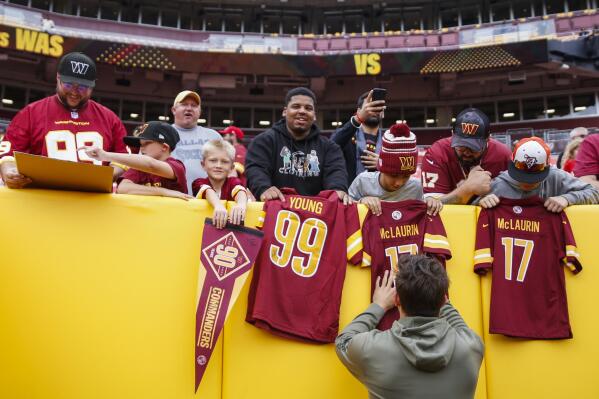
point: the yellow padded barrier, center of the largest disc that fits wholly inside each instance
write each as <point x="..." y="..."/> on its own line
<point x="260" y="365"/>
<point x="97" y="297"/>
<point x="523" y="369"/>
<point x="97" y="300"/>
<point x="464" y="288"/>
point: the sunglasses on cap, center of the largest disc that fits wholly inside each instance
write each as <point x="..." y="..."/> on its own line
<point x="535" y="168"/>
<point x="82" y="89"/>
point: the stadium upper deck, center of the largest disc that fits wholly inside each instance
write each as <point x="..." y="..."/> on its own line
<point x="523" y="72"/>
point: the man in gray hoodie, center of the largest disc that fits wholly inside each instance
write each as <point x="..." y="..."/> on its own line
<point x="428" y="353"/>
<point x="529" y="174"/>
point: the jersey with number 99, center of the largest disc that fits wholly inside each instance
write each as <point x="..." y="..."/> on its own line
<point x="402" y="228"/>
<point x="300" y="269"/>
<point x="46" y="127"/>
<point x="526" y="246"/>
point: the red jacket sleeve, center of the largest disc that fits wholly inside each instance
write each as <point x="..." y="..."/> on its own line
<point x="587" y="158"/>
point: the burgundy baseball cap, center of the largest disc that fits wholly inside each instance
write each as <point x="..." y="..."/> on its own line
<point x="233" y="130"/>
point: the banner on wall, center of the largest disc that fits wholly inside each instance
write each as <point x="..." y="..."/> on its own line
<point x="227" y="257"/>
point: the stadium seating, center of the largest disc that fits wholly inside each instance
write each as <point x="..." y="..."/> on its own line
<point x="100" y="29"/>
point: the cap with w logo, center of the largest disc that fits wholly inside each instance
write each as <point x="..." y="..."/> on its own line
<point x="471" y="129"/>
<point x="77" y="68"/>
<point x="398" y="151"/>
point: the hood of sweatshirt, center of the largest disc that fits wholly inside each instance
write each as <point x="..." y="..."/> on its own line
<point x="427" y="342"/>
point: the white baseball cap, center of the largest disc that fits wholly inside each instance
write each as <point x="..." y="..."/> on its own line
<point x="579" y="132"/>
<point x="530" y="161"/>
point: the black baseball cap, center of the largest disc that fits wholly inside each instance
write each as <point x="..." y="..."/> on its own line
<point x="471" y="129"/>
<point x="155" y="131"/>
<point x="77" y="68"/>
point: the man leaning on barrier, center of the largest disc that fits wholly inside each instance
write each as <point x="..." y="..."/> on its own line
<point x="293" y="154"/>
<point x="429" y="352"/>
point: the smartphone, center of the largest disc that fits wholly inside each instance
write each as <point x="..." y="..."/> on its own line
<point x="379" y="94"/>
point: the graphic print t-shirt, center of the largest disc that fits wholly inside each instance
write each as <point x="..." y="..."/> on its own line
<point x="526" y="247"/>
<point x="402" y="228"/>
<point x="300" y="269"/>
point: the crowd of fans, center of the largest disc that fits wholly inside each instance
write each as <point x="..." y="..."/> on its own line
<point x="361" y="162"/>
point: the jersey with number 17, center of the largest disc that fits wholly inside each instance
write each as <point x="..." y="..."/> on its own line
<point x="442" y="171"/>
<point x="526" y="247"/>
<point x="46" y="127"/>
<point x="402" y="228"/>
<point x="300" y="269"/>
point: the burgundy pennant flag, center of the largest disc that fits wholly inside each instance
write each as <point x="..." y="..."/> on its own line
<point x="227" y="257"/>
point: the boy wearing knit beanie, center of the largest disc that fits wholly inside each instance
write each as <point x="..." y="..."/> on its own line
<point x="391" y="182"/>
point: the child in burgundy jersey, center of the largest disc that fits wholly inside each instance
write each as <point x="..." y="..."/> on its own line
<point x="391" y="182"/>
<point x="217" y="160"/>
<point x="153" y="171"/>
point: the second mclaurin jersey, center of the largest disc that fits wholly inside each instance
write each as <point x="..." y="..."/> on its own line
<point x="403" y="228"/>
<point x="526" y="246"/>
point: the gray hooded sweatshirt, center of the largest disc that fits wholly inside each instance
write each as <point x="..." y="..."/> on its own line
<point x="419" y="357"/>
<point x="557" y="183"/>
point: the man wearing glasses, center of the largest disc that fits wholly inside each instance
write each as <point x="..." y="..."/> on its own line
<point x="57" y="126"/>
<point x="459" y="168"/>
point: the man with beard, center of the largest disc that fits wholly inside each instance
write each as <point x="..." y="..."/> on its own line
<point x="460" y="167"/>
<point x="57" y="126"/>
<point x="360" y="137"/>
<point x="186" y="110"/>
<point x="293" y="154"/>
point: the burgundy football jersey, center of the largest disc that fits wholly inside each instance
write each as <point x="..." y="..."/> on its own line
<point x="402" y="228"/>
<point x="298" y="276"/>
<point x="148" y="179"/>
<point x="231" y="187"/>
<point x="46" y="127"/>
<point x="526" y="246"/>
<point x="441" y="169"/>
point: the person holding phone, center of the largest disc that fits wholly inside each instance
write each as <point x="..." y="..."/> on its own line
<point x="360" y="138"/>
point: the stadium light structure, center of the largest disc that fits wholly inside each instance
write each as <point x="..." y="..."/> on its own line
<point x="581" y="108"/>
<point x="508" y="115"/>
<point x="134" y="115"/>
<point x="264" y="123"/>
<point x="201" y="120"/>
<point x="7" y="101"/>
